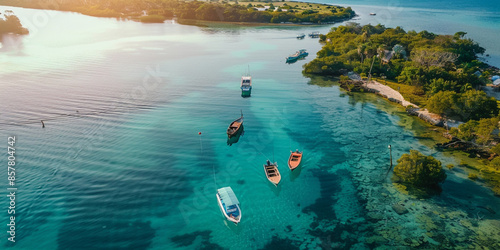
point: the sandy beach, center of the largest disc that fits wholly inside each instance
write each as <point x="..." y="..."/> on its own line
<point x="394" y="96"/>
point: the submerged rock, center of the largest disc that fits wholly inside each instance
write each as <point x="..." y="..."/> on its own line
<point x="375" y="216"/>
<point x="399" y="209"/>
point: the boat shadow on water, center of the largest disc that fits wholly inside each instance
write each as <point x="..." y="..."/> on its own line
<point x="275" y="189"/>
<point x="235" y="138"/>
<point x="236" y="228"/>
<point x="295" y="173"/>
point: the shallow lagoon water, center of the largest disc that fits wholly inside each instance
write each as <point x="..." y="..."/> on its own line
<point x="120" y="163"/>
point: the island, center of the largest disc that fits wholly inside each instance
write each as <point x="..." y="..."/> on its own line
<point x="9" y="23"/>
<point x="437" y="77"/>
<point x="160" y="10"/>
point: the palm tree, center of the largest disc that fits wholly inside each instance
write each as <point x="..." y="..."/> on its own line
<point x="361" y="50"/>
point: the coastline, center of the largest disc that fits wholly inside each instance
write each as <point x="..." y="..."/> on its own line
<point x="413" y="109"/>
<point x="316" y="17"/>
<point x="472" y="165"/>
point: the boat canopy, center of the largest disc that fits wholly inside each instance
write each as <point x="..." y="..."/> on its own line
<point x="228" y="196"/>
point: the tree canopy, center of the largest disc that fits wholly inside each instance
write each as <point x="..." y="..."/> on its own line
<point x="440" y="68"/>
<point x="11" y="24"/>
<point x="199" y="10"/>
<point x="419" y="170"/>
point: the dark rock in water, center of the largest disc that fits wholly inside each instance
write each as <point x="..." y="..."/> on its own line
<point x="399" y="209"/>
<point x="288" y="228"/>
<point x="314" y="225"/>
<point x="188" y="239"/>
<point x="352" y="85"/>
<point x="488" y="208"/>
<point x="375" y="216"/>
<point x="280" y="243"/>
<point x="241" y="182"/>
<point x="465" y="146"/>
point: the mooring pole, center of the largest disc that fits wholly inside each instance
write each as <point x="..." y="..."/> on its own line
<point x="390" y="154"/>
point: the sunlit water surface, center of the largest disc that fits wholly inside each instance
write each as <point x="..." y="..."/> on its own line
<point x="121" y="164"/>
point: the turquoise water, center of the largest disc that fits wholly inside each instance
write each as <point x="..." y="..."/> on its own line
<point x="120" y="163"/>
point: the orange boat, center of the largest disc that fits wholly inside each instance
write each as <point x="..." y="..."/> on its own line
<point x="272" y="173"/>
<point x="235" y="126"/>
<point x="294" y="160"/>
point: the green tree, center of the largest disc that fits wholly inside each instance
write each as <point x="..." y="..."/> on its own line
<point x="465" y="131"/>
<point x="474" y="105"/>
<point x="419" y="170"/>
<point x="442" y="103"/>
<point x="12" y="24"/>
<point x="484" y="129"/>
<point x="495" y="163"/>
<point x="496" y="149"/>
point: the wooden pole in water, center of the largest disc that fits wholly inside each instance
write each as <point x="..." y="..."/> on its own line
<point x="390" y="153"/>
<point x="390" y="156"/>
<point x="43" y="124"/>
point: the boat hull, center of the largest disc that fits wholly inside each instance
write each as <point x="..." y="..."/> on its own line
<point x="272" y="174"/>
<point x="295" y="57"/>
<point x="235" y="127"/>
<point x="229" y="218"/>
<point x="246" y="92"/>
<point x="294" y="160"/>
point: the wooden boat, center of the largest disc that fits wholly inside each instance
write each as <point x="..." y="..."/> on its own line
<point x="272" y="173"/>
<point x="235" y="126"/>
<point x="294" y="160"/>
<point x="373" y="14"/>
<point x="234" y="139"/>
<point x="229" y="204"/>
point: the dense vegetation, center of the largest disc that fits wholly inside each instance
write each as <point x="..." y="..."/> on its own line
<point x="11" y="24"/>
<point x="442" y="69"/>
<point x="419" y="170"/>
<point x="159" y="10"/>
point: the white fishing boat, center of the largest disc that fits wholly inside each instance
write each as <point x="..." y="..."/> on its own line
<point x="229" y="204"/>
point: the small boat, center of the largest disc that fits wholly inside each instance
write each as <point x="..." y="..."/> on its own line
<point x="234" y="139"/>
<point x="301" y="36"/>
<point x="229" y="204"/>
<point x="272" y="173"/>
<point x="246" y="86"/>
<point x="294" y="160"/>
<point x="314" y="34"/>
<point x="373" y="14"/>
<point x="235" y="126"/>
<point x="299" y="54"/>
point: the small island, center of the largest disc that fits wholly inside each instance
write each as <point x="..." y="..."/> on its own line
<point x="215" y="11"/>
<point x="9" y="23"/>
<point x="437" y="77"/>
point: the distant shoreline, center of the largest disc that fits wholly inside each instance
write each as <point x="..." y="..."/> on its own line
<point x="240" y="13"/>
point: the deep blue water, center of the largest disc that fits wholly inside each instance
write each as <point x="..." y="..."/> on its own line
<point x="121" y="164"/>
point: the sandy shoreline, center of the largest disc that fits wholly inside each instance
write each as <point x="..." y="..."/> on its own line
<point x="413" y="109"/>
